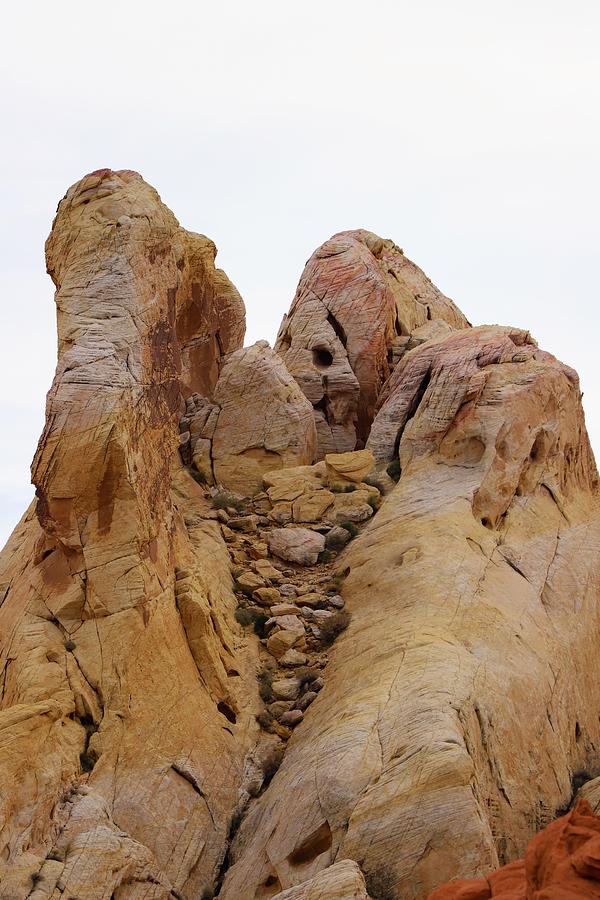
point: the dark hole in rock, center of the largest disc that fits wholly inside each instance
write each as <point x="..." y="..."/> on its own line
<point x="226" y="711"/>
<point x="487" y="523"/>
<point x="322" y="358"/>
<point x="315" y="844"/>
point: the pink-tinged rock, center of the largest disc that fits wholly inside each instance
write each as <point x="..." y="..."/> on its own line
<point x="357" y="297"/>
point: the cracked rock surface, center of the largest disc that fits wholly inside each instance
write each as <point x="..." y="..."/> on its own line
<point x="313" y="622"/>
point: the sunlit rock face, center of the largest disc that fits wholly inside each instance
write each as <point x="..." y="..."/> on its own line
<point x="359" y="305"/>
<point x="317" y="622"/>
<point x="118" y="691"/>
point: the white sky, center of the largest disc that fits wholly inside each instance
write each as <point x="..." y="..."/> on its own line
<point x="467" y="131"/>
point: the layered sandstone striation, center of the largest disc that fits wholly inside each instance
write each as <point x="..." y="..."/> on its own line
<point x="359" y="306"/>
<point x="312" y="622"/>
<point x="451" y="720"/>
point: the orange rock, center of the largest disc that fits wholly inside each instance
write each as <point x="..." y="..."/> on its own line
<point x="561" y="863"/>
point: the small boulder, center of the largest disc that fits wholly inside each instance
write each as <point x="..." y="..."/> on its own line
<point x="282" y="641"/>
<point x="305" y="700"/>
<point x="312" y="506"/>
<point x="285" y="609"/>
<point x="292" y="658"/>
<point x="353" y="466"/>
<point x="337" y="538"/>
<point x="298" y="545"/>
<point x="292" y="718"/>
<point x="248" y="582"/>
<point x="267" y="596"/>
<point x="286" y="688"/>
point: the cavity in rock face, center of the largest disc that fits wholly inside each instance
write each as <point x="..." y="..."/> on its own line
<point x="359" y="306"/>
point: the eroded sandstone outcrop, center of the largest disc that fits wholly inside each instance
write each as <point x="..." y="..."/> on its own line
<point x="121" y="661"/>
<point x="359" y="305"/>
<point x="233" y="669"/>
<point x="451" y="720"/>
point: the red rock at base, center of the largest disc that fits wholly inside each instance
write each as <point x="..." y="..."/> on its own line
<point x="562" y="863"/>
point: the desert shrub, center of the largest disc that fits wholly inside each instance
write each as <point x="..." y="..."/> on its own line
<point x="350" y="527"/>
<point x="244" y="616"/>
<point x="373" y="481"/>
<point x="264" y="719"/>
<point x="36" y="877"/>
<point x="326" y="556"/>
<point x="336" y="581"/>
<point x="381" y="883"/>
<point x="260" y="620"/>
<point x="225" y="500"/>
<point x="374" y="502"/>
<point x="305" y="675"/>
<point x="333" y="626"/>
<point x="335" y="541"/>
<point x="393" y="470"/>
<point x="265" y="690"/>
<point x="70" y="646"/>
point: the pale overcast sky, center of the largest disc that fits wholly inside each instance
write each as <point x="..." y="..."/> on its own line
<point x="468" y="132"/>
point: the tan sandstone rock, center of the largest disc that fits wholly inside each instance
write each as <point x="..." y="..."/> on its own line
<point x="298" y="545"/>
<point x="464" y="691"/>
<point x="341" y="881"/>
<point x="357" y="296"/>
<point x="116" y="630"/>
<point x="257" y="419"/>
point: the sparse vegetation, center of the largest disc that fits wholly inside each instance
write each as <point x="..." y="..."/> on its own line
<point x="70" y="646"/>
<point x="332" y="627"/>
<point x="36" y="877"/>
<point x="265" y="679"/>
<point x="56" y="855"/>
<point x="225" y="500"/>
<point x="264" y="719"/>
<point x="373" y="481"/>
<point x="336" y="539"/>
<point x="394" y="470"/>
<point x="244" y="616"/>
<point x="248" y="616"/>
<point x="374" y="502"/>
<point x="381" y="883"/>
<point x="260" y="620"/>
<point x="326" y="556"/>
<point x="336" y="581"/>
<point x="350" y="527"/>
<point x="200" y="477"/>
<point x="342" y="488"/>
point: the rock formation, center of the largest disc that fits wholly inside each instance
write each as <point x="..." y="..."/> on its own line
<point x="359" y="306"/>
<point x="121" y="670"/>
<point x="451" y="707"/>
<point x="313" y="623"/>
<point x="257" y="419"/>
<point x="563" y="861"/>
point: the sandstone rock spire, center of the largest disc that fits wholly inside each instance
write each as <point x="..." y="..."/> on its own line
<point x="120" y="669"/>
<point x="359" y="305"/>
